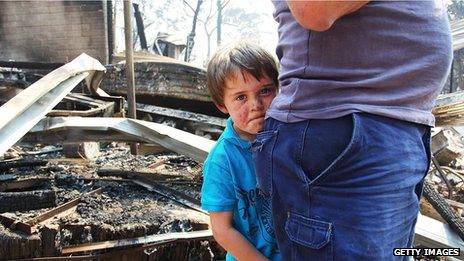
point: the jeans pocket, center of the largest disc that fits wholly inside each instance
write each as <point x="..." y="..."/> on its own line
<point x="262" y="149"/>
<point x="310" y="238"/>
<point x="327" y="144"/>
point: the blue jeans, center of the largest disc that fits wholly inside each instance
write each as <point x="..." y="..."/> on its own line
<point x="345" y="188"/>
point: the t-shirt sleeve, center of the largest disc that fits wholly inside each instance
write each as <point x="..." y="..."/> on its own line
<point x="217" y="193"/>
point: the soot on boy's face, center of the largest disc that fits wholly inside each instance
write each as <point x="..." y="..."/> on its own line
<point x="247" y="99"/>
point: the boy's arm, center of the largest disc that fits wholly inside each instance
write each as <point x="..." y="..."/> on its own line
<point x="320" y="15"/>
<point x="230" y="239"/>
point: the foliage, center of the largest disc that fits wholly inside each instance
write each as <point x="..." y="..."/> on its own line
<point x="456" y="78"/>
<point x="456" y="10"/>
<point x="243" y="21"/>
<point x="176" y="17"/>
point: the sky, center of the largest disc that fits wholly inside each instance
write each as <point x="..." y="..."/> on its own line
<point x="266" y="26"/>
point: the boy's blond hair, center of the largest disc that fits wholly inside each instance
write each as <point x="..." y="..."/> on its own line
<point x="238" y="58"/>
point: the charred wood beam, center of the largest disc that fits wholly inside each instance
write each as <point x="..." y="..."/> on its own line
<point x="60" y="209"/>
<point x="30" y="163"/>
<point x="125" y="253"/>
<point x="41" y="152"/>
<point x="157" y="164"/>
<point x="30" y="65"/>
<point x="27" y="108"/>
<point x="106" y="179"/>
<point x="211" y="121"/>
<point x="146" y="241"/>
<point x="160" y="78"/>
<point x="28" y="226"/>
<point x="29" y="200"/>
<point x="8" y="177"/>
<point x="128" y="174"/>
<point x="15" y="224"/>
<point x="169" y="193"/>
<point x="444" y="209"/>
<point x="22" y="184"/>
<point x="180" y="182"/>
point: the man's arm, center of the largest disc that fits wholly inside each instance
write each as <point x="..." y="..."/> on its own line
<point x="230" y="239"/>
<point x="320" y="15"/>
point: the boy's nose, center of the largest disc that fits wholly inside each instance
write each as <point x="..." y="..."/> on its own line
<point x="257" y="104"/>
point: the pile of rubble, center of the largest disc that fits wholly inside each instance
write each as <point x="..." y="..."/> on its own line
<point x="86" y="195"/>
<point x="113" y="204"/>
<point x="446" y="174"/>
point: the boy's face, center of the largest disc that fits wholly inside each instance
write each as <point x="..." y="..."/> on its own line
<point x="247" y="100"/>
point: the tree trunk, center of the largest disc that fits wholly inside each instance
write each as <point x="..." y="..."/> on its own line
<point x="219" y="22"/>
<point x="208" y="38"/>
<point x="140" y="27"/>
<point x="191" y="36"/>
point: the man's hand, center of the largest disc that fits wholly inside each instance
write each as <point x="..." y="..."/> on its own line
<point x="321" y="15"/>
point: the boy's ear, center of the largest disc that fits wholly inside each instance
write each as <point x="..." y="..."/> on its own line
<point x="222" y="108"/>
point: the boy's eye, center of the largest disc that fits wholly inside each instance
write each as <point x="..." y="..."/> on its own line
<point x="240" y="97"/>
<point x="265" y="90"/>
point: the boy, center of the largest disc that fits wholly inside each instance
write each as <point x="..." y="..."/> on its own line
<point x="242" y="80"/>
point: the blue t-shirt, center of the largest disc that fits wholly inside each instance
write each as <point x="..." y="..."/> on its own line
<point x="229" y="184"/>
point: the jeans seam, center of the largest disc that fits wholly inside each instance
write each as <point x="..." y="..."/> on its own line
<point x="270" y="161"/>
<point x="299" y="156"/>
<point x="301" y="173"/>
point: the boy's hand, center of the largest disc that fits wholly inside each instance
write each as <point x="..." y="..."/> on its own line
<point x="232" y="240"/>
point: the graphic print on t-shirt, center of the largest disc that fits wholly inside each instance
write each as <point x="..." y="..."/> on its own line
<point x="252" y="204"/>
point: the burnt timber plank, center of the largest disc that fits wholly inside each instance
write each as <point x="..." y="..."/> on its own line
<point x="15" y="224"/>
<point x="28" y="200"/>
<point x="160" y="76"/>
<point x="22" y="183"/>
<point x="183" y="115"/>
<point x="152" y="240"/>
<point x="6" y="165"/>
<point x="61" y="208"/>
<point x="127" y="174"/>
<point x="169" y="193"/>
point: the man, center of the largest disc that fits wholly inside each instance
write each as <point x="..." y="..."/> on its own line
<point x="346" y="141"/>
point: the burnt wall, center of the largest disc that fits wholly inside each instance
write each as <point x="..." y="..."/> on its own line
<point x="53" y="31"/>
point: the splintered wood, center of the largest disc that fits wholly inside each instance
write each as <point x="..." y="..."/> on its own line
<point x="449" y="109"/>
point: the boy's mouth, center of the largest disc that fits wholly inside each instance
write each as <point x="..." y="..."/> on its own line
<point x="257" y="118"/>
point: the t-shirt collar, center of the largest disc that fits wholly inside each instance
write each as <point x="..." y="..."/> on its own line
<point x="231" y="135"/>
